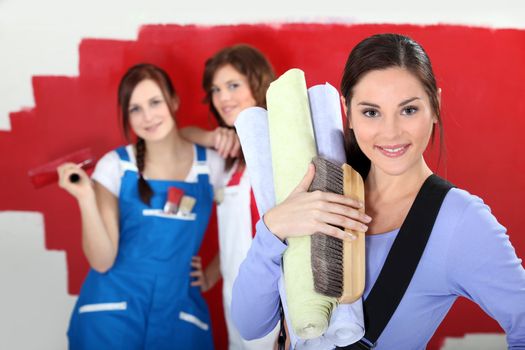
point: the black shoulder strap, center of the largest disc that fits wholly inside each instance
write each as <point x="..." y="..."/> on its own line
<point x="402" y="260"/>
<point x="281" y="339"/>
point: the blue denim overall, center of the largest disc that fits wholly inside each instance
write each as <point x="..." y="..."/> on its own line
<point x="145" y="300"/>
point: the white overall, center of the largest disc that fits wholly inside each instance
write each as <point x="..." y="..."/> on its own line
<point x="235" y="237"/>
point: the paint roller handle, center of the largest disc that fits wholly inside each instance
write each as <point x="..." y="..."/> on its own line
<point x="74" y="178"/>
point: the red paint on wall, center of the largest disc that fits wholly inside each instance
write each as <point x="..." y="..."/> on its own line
<point x="481" y="72"/>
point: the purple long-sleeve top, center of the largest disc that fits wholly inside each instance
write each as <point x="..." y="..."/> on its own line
<point x="469" y="254"/>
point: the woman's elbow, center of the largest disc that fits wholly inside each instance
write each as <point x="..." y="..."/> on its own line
<point x="245" y="328"/>
<point x="250" y="325"/>
<point x="101" y="265"/>
<point x="101" y="268"/>
<point x="240" y="319"/>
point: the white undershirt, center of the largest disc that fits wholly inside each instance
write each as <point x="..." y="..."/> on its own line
<point x="110" y="168"/>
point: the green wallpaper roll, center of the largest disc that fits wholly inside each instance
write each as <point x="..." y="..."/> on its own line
<point x="291" y="132"/>
<point x="293" y="147"/>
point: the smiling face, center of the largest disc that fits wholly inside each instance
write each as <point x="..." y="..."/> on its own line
<point x="230" y="93"/>
<point x="392" y="118"/>
<point x="149" y="113"/>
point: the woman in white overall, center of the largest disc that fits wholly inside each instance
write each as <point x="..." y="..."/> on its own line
<point x="138" y="293"/>
<point x="235" y="78"/>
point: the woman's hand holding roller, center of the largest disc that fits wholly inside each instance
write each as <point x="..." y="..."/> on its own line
<point x="81" y="188"/>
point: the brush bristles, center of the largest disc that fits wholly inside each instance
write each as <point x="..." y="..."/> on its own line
<point x="328" y="177"/>
<point x="327" y="265"/>
<point x="327" y="251"/>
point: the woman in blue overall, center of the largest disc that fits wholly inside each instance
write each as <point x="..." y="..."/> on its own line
<point x="138" y="293"/>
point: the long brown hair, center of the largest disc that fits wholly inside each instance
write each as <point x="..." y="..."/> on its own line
<point x="382" y="51"/>
<point x="248" y="61"/>
<point x="129" y="81"/>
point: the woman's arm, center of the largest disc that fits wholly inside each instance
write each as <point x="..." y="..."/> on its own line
<point x="199" y="136"/>
<point x="208" y="277"/>
<point x="223" y="140"/>
<point x="255" y="300"/>
<point x="483" y="266"/>
<point x="99" y="215"/>
<point x="255" y="296"/>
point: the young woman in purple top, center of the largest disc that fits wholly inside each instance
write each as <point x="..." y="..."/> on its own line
<point x="392" y="104"/>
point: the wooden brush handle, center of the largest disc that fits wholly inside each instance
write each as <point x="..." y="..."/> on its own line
<point x="353" y="251"/>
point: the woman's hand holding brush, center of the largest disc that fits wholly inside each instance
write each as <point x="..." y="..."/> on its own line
<point x="306" y="213"/>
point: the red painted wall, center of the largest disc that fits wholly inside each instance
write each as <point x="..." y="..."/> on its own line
<point x="481" y="72"/>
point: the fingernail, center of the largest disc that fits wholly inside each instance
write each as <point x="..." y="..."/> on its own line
<point x="364" y="228"/>
<point x="350" y="236"/>
<point x="367" y="218"/>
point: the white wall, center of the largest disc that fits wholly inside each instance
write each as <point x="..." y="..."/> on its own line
<point x="42" y="37"/>
<point x="476" y="342"/>
<point x="34" y="303"/>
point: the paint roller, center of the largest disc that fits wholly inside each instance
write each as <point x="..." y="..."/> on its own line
<point x="46" y="174"/>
